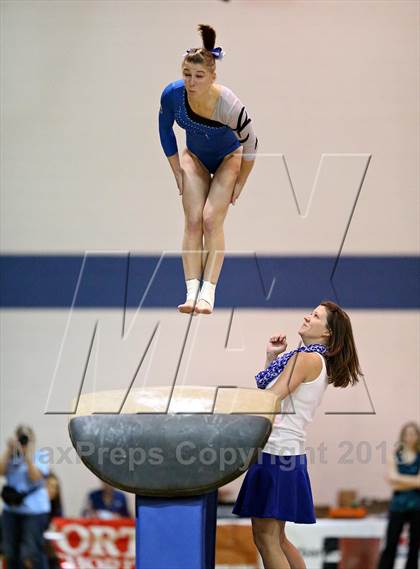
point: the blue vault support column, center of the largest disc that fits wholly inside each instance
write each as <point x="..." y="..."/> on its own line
<point x="176" y="492"/>
<point x="176" y="533"/>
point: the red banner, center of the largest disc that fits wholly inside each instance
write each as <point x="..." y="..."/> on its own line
<point x="92" y="543"/>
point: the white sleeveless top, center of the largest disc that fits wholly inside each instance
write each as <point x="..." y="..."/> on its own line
<point x="288" y="436"/>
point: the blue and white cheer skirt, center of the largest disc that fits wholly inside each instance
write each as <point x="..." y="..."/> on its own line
<point x="277" y="487"/>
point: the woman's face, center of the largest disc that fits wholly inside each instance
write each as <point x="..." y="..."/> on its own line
<point x="410" y="436"/>
<point x="198" y="78"/>
<point x="314" y="328"/>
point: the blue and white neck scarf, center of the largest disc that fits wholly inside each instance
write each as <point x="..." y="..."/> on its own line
<point x="266" y="376"/>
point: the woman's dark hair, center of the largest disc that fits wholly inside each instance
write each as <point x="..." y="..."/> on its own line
<point x="402" y="433"/>
<point x="203" y="55"/>
<point x="341" y="356"/>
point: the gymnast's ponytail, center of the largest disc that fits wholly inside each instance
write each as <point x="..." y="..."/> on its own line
<point x="207" y="54"/>
<point x="208" y="35"/>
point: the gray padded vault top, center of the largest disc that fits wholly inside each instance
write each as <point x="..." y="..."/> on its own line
<point x="168" y="454"/>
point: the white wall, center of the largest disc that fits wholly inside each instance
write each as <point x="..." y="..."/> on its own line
<point x="82" y="169"/>
<point x="82" y="164"/>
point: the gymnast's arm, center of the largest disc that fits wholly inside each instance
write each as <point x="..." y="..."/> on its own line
<point x="300" y="368"/>
<point x="167" y="136"/>
<point x="237" y="118"/>
<point x="176" y="169"/>
<point x="245" y="170"/>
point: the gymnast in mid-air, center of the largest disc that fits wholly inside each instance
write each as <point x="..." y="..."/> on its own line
<point x="212" y="171"/>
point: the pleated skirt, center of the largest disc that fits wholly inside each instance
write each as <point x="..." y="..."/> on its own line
<point x="277" y="487"/>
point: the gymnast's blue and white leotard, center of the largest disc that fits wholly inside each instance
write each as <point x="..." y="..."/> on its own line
<point x="209" y="139"/>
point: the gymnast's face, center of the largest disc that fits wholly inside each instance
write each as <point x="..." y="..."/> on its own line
<point x="314" y="329"/>
<point x="198" y="78"/>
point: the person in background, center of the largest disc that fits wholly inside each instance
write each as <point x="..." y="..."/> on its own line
<point x="54" y="494"/>
<point x="26" y="503"/>
<point x="106" y="503"/>
<point x="404" y="508"/>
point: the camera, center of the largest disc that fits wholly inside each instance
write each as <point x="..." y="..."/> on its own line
<point x="23" y="439"/>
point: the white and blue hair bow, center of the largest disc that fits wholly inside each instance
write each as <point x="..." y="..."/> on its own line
<point x="217" y="52"/>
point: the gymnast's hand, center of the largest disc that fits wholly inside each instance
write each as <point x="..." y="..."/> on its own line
<point x="236" y="192"/>
<point x="178" y="178"/>
<point x="277" y="344"/>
